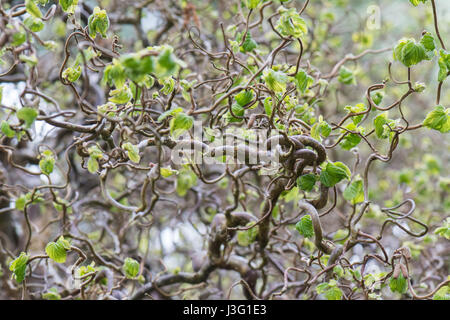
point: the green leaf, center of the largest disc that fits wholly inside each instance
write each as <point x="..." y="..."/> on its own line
<point x="56" y="252"/>
<point x="409" y="52"/>
<point x="121" y="95"/>
<point x="167" y="172"/>
<point x="302" y="80"/>
<point x="92" y="164"/>
<point x="34" y="24"/>
<point x="249" y="44"/>
<point x="358" y="108"/>
<point x="64" y="243"/>
<point x="51" y="294"/>
<point x="185" y="180"/>
<point x="398" y="284"/>
<point x="180" y="123"/>
<point x="244" y="97"/>
<point x="28" y="115"/>
<point x="438" y="119"/>
<point x="18" y="266"/>
<point x="170" y="112"/>
<point x="72" y="74"/>
<point x="252" y="4"/>
<point x="47" y="163"/>
<point x="339" y="271"/>
<point x="30" y="60"/>
<point x="115" y="74"/>
<point x="137" y="66"/>
<point x="334" y="173"/>
<point x="167" y="63"/>
<point x="320" y="128"/>
<point x="416" y="2"/>
<point x="268" y="106"/>
<point x="18" y="38"/>
<point x="330" y="290"/>
<point x="333" y="293"/>
<point x="442" y="294"/>
<point x="444" y="65"/>
<point x="306" y="182"/>
<point x="238" y="111"/>
<point x="98" y="22"/>
<point x="427" y="42"/>
<point x="291" y="24"/>
<point x="33" y="9"/>
<point x="66" y="5"/>
<point x="379" y="123"/>
<point x="6" y="129"/>
<point x="131" y="268"/>
<point x="132" y="152"/>
<point x="247" y="237"/>
<point x="444" y="230"/>
<point x="305" y="226"/>
<point x="419" y="86"/>
<point x="377" y="97"/>
<point x="354" y="192"/>
<point x="351" y="139"/>
<point x="169" y="85"/>
<point x="346" y="76"/>
<point x="275" y="80"/>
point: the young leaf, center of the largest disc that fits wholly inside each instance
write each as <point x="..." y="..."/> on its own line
<point x="275" y="80"/>
<point x="249" y="44"/>
<point x="167" y="64"/>
<point x="28" y="115"/>
<point x="438" y="119"/>
<point x="302" y="80"/>
<point x="247" y="237"/>
<point x="92" y="164"/>
<point x="291" y="24"/>
<point x="444" y="231"/>
<point x="346" y="76"/>
<point x="305" y="226"/>
<point x="185" y="180"/>
<point x="333" y="173"/>
<point x="34" y="24"/>
<point x="68" y="5"/>
<point x="56" y="252"/>
<point x="98" y="22"/>
<point x="379" y="123"/>
<point x="6" y="129"/>
<point x="333" y="293"/>
<point x="167" y="172"/>
<point x="410" y="53"/>
<point x="47" y="162"/>
<point x="33" y="9"/>
<point x="121" y="95"/>
<point x="244" y="97"/>
<point x="131" y="268"/>
<point x="132" y="152"/>
<point x="51" y="294"/>
<point x="398" y="284"/>
<point x="238" y="111"/>
<point x="72" y="74"/>
<point x="442" y="294"/>
<point x="18" y="266"/>
<point x="354" y="192"/>
<point x="252" y="4"/>
<point x="306" y="182"/>
<point x="180" y="123"/>
<point x="415" y="3"/>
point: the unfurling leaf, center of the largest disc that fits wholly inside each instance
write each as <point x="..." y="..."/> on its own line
<point x="131" y="268"/>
